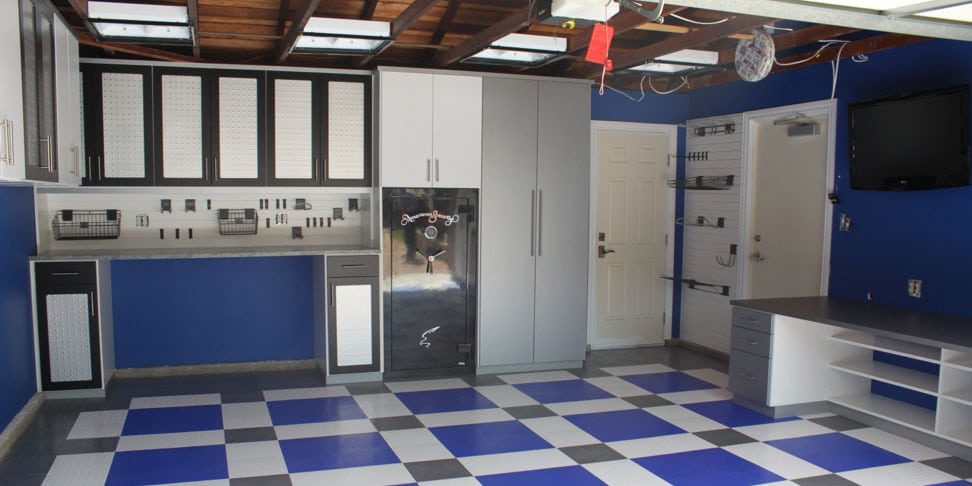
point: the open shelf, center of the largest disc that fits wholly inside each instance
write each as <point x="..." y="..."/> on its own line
<point x="964" y="363"/>
<point x="892" y="410"/>
<point x="893" y="346"/>
<point x="961" y="396"/>
<point x="895" y="375"/>
<point x="960" y="435"/>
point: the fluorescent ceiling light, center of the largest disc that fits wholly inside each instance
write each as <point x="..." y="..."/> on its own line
<point x="140" y="22"/>
<point x="961" y="13"/>
<point x="584" y="9"/>
<point x="662" y="67"/>
<point x="343" y="36"/>
<point x="521" y="49"/>
<point x="679" y="61"/>
<point x="902" y="8"/>
<point x="876" y="5"/>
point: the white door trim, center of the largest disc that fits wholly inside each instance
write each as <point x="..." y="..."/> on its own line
<point x="747" y="176"/>
<point x="672" y="132"/>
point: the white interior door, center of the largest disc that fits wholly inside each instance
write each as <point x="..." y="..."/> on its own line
<point x="788" y="231"/>
<point x="632" y="204"/>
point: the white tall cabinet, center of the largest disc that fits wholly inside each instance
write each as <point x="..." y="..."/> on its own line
<point x="70" y="150"/>
<point x="430" y="129"/>
<point x="534" y="223"/>
<point x="11" y="104"/>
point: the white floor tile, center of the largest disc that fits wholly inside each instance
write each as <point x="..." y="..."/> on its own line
<point x="590" y="406"/>
<point x="684" y="418"/>
<point x="617" y="387"/>
<point x="214" y="482"/>
<point x="896" y="444"/>
<point x="697" y="396"/>
<point x="79" y="469"/>
<point x="175" y="401"/>
<point x="426" y="385"/>
<point x="246" y="415"/>
<point x="559" y="432"/>
<point x="776" y="461"/>
<point x="910" y="473"/>
<point x="170" y="441"/>
<point x="255" y="459"/>
<point x="506" y="396"/>
<point x="302" y="393"/>
<point x="623" y="472"/>
<point x="446" y="419"/>
<point x="637" y="369"/>
<point x="710" y="375"/>
<point x="380" y="405"/>
<point x="541" y="376"/>
<point x="516" y="461"/>
<point x="364" y="476"/>
<point x="105" y="423"/>
<point x="467" y="481"/>
<point x="413" y="445"/>
<point x="657" y="446"/>
<point x="784" y="430"/>
<point x="323" y="429"/>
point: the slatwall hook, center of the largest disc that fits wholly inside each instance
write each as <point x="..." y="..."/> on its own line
<point x="692" y="156"/>
<point x="702" y="221"/>
<point x="726" y="129"/>
<point x="731" y="260"/>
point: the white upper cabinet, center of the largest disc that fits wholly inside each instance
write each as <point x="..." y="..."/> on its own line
<point x="11" y="105"/>
<point x="70" y="150"/>
<point x="431" y="129"/>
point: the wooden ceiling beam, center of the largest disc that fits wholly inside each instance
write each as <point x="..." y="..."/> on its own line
<point x="696" y="38"/>
<point x="520" y="19"/>
<point x="80" y="6"/>
<point x="409" y="16"/>
<point x="368" y="11"/>
<point x="282" y="17"/>
<point x="622" y="22"/>
<point x="304" y="12"/>
<point x="84" y="38"/>
<point x="193" y="8"/>
<point x="864" y="46"/>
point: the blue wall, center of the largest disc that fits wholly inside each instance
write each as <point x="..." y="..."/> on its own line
<point x="197" y="311"/>
<point x="895" y="235"/>
<point x="654" y="108"/>
<point x="17" y="379"/>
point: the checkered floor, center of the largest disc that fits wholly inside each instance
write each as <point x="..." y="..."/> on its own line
<point x="640" y="424"/>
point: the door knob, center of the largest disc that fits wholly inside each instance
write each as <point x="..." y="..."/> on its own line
<point x="601" y="251"/>
<point x="757" y="257"/>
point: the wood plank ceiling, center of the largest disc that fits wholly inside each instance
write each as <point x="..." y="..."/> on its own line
<point x="441" y="33"/>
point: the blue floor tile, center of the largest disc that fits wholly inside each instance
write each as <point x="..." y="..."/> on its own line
<point x="674" y="381"/>
<point x="157" y="466"/>
<point x="623" y="425"/>
<point x="173" y="419"/>
<point x="707" y="466"/>
<point x="313" y="410"/>
<point x="731" y="415"/>
<point x="562" y="475"/>
<point x="488" y="438"/>
<point x="438" y="401"/>
<point x="837" y="452"/>
<point x="563" y="391"/>
<point x="336" y="452"/>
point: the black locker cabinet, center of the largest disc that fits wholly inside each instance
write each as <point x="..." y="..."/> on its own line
<point x="67" y="325"/>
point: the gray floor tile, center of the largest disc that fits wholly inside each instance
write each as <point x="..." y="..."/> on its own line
<point x="369" y="388"/>
<point x="725" y="437"/>
<point x="586" y="454"/>
<point x="256" y="434"/>
<point x="529" y="411"/>
<point x="435" y="470"/>
<point x="644" y="401"/>
<point x="838" y="423"/>
<point x="828" y="480"/>
<point x="588" y="372"/>
<point x="279" y="480"/>
<point x="483" y="380"/>
<point x="952" y="465"/>
<point x="397" y="423"/>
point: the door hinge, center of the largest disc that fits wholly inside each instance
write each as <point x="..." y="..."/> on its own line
<point x="666" y="239"/>
<point x="664" y="317"/>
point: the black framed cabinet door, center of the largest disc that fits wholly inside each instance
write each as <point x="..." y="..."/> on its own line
<point x="68" y="339"/>
<point x="352" y="325"/>
<point x="238" y="146"/>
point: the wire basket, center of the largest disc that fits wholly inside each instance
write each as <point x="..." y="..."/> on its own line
<point x="237" y="221"/>
<point x="703" y="182"/>
<point x="71" y="224"/>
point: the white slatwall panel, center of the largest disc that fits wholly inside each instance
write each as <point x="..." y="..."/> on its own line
<point x="705" y="318"/>
<point x="355" y="229"/>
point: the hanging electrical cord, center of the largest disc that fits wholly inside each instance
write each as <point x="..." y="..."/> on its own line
<point x="684" y="83"/>
<point x="697" y="22"/>
<point x="835" y="67"/>
<point x="827" y="43"/>
<point x="641" y="87"/>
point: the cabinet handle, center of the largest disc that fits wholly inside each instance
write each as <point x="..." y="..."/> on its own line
<point x="533" y="221"/>
<point x="89" y="168"/>
<point x="332" y="296"/>
<point x="748" y="376"/>
<point x="751" y="341"/>
<point x="428" y="170"/>
<point x="91" y="305"/>
<point x="540" y="223"/>
<point x="206" y="169"/>
<point x="77" y="160"/>
<point x="8" y="152"/>
<point x="50" y="154"/>
<point x="749" y="319"/>
<point x="352" y="265"/>
<point x="101" y="168"/>
<point x="436" y="170"/>
<point x="65" y="274"/>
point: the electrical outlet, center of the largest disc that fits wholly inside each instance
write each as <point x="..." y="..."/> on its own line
<point x="914" y="288"/>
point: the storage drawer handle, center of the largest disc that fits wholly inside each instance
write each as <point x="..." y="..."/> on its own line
<point x="65" y="274"/>
<point x="749" y="319"/>
<point x="748" y="376"/>
<point x="352" y="265"/>
<point x="751" y="341"/>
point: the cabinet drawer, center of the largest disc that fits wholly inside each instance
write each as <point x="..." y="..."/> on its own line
<point x="352" y="266"/>
<point x="52" y="274"/>
<point x="751" y="341"/>
<point x="755" y="320"/>
<point x="749" y="376"/>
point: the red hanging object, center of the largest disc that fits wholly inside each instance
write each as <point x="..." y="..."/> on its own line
<point x="597" y="51"/>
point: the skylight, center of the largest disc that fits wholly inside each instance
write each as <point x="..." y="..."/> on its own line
<point x="676" y="62"/>
<point x="343" y="36"/>
<point x="140" y="22"/>
<point x="524" y="49"/>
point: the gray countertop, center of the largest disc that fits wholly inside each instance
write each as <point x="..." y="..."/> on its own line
<point x="917" y="326"/>
<point x="227" y="252"/>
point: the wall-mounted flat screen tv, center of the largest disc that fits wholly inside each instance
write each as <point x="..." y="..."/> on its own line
<point x="910" y="142"/>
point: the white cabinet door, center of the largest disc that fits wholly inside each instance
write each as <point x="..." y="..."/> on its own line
<point x="457" y="130"/>
<point x="11" y="103"/>
<point x="182" y="154"/>
<point x="238" y="142"/>
<point x="406" y="129"/>
<point x="68" y="74"/>
<point x="294" y="149"/>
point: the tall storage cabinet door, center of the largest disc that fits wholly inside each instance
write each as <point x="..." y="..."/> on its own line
<point x="508" y="237"/>
<point x="68" y="106"/>
<point x="457" y="131"/>
<point x="563" y="205"/>
<point x="11" y="106"/>
<point x="117" y="121"/>
<point x="239" y="106"/>
<point x="348" y="160"/>
<point x="406" y="129"/>
<point x="182" y="155"/>
<point x="294" y="130"/>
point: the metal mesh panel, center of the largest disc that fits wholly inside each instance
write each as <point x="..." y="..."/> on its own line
<point x="68" y="337"/>
<point x="346" y="130"/>
<point x="182" y="127"/>
<point x="124" y="125"/>
<point x="353" y="324"/>
<point x="293" y="134"/>
<point x="238" y="135"/>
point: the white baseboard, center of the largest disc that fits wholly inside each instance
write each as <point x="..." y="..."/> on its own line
<point x="16" y="427"/>
<point x="622" y="343"/>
